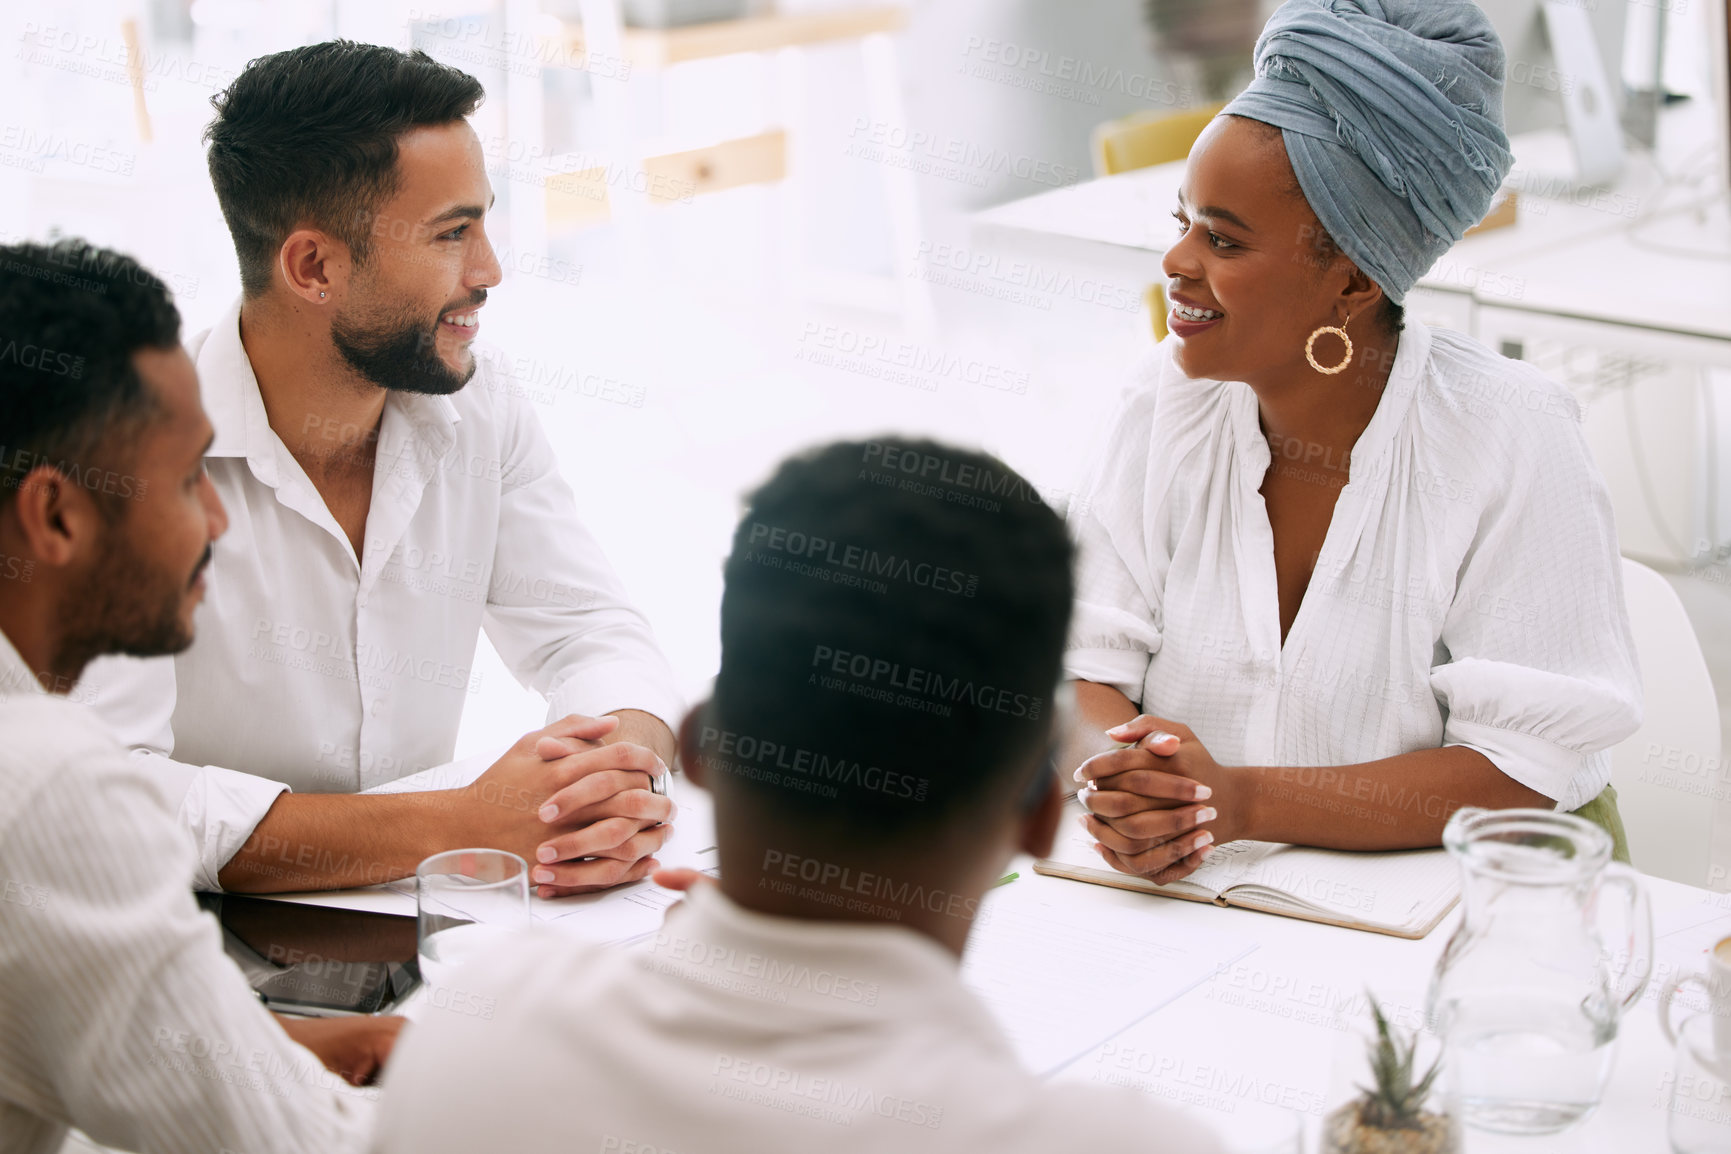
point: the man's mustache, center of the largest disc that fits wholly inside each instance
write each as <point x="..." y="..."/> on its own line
<point x="478" y="298"/>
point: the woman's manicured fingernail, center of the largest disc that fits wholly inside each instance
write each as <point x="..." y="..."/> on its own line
<point x="547" y="854"/>
<point x="548" y="812"/>
<point x="1203" y="793"/>
<point x="1079" y="775"/>
<point x="1202" y="839"/>
<point x="543" y="877"/>
<point x="1206" y="850"/>
<point x="1119" y="728"/>
<point x="1205" y="814"/>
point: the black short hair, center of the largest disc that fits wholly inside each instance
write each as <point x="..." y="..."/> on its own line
<point x="310" y="136"/>
<point x="890" y="641"/>
<point x="71" y="317"/>
<point x="1391" y="315"/>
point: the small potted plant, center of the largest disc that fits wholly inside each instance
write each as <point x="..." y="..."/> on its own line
<point x="1389" y="1116"/>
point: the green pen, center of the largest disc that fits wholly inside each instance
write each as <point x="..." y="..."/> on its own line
<point x="1005" y="880"/>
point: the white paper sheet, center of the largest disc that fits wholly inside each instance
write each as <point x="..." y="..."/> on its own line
<point x="1042" y="967"/>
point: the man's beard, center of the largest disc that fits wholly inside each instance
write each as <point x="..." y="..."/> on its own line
<point x="401" y="354"/>
<point x="123" y="605"/>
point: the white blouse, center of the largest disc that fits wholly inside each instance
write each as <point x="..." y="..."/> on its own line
<point x="1468" y="591"/>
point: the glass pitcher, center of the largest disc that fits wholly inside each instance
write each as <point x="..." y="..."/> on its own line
<point x="1524" y="998"/>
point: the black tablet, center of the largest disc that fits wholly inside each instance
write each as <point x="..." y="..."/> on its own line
<point x="318" y="960"/>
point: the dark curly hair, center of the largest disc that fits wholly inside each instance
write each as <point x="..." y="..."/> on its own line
<point x="309" y="136"/>
<point x="891" y="635"/>
<point x="71" y="317"/>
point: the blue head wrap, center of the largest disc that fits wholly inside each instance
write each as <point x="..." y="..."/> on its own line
<point x="1392" y="114"/>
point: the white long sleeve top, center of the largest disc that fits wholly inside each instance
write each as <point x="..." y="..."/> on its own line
<point x="1468" y="592"/>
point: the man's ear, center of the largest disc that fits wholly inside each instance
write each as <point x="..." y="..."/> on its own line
<point x="57" y="519"/>
<point x="1040" y="825"/>
<point x="690" y="741"/>
<point x="314" y="265"/>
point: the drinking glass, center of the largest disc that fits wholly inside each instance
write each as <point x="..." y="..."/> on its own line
<point x="465" y="899"/>
<point x="1700" y="1105"/>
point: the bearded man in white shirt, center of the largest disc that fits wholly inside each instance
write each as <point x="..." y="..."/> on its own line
<point x="390" y="498"/>
<point x="119" y="1013"/>
<point x="877" y="751"/>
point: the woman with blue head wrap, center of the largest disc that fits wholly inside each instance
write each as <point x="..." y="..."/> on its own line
<point x="1341" y="574"/>
<point x="1393" y="129"/>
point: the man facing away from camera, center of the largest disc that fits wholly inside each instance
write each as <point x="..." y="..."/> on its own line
<point x="811" y="999"/>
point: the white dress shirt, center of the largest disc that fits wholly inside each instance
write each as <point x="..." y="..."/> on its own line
<point x="1468" y="591"/>
<point x="119" y="1013"/>
<point x="737" y="1031"/>
<point x="320" y="671"/>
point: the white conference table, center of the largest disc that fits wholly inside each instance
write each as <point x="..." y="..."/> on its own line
<point x="1278" y="1025"/>
<point x="1268" y="1019"/>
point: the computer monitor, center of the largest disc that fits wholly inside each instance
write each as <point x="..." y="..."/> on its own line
<point x="1564" y="67"/>
<point x="1534" y="86"/>
<point x="1719" y="54"/>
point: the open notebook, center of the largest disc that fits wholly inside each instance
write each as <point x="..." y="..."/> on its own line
<point x="1403" y="893"/>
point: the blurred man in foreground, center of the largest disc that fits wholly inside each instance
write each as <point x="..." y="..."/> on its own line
<point x="878" y="749"/>
<point x="119" y="1014"/>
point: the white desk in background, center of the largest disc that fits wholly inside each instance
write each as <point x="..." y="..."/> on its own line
<point x="1267" y="1026"/>
<point x="1570" y="251"/>
<point x="1125" y="221"/>
<point x="1665" y="276"/>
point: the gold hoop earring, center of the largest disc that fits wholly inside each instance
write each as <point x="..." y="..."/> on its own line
<point x="1311" y="344"/>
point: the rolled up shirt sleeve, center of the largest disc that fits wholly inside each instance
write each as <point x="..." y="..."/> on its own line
<point x="1114" y="635"/>
<point x="219" y="808"/>
<point x="568" y="631"/>
<point x="1116" y="628"/>
<point x="1541" y="675"/>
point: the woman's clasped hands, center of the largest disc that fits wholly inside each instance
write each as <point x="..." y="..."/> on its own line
<point x="1159" y="804"/>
